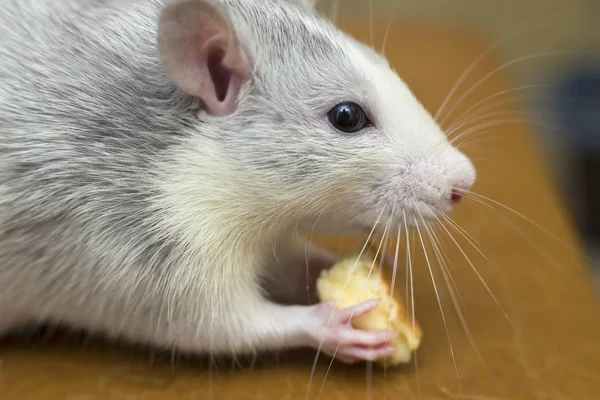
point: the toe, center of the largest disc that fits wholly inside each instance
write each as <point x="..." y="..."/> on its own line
<point x="349" y="313"/>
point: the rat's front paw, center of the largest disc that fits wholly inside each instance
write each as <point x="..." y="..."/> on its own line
<point x="337" y="338"/>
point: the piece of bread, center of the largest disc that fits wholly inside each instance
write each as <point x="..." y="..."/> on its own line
<point x="391" y="313"/>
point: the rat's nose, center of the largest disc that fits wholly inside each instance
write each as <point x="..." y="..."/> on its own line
<point x="458" y="191"/>
<point x="456" y="196"/>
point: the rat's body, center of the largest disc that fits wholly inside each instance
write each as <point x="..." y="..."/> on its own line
<point x="140" y="204"/>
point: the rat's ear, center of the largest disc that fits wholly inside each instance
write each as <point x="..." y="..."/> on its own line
<point x="201" y="53"/>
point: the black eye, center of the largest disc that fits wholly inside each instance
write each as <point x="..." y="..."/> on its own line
<point x="348" y="117"/>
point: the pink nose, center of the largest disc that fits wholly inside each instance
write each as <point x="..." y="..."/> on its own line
<point x="456" y="196"/>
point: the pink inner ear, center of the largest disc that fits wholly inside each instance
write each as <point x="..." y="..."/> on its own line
<point x="221" y="96"/>
<point x="219" y="74"/>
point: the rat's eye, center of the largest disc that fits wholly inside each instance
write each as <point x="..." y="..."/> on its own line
<point x="348" y="117"/>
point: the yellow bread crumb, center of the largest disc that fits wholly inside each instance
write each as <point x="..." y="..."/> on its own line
<point x="389" y="314"/>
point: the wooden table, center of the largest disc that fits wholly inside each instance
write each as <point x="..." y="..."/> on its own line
<point x="546" y="346"/>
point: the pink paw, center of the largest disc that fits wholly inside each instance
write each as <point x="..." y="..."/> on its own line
<point x="337" y="338"/>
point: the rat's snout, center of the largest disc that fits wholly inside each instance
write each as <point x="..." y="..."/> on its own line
<point x="456" y="177"/>
<point x="438" y="181"/>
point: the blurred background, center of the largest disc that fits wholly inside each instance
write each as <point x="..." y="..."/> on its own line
<point x="556" y="48"/>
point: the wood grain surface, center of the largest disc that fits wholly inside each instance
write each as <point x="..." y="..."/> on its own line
<point x="531" y="331"/>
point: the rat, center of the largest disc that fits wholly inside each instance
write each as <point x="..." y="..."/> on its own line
<point x="160" y="159"/>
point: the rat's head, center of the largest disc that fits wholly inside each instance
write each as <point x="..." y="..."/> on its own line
<point x="319" y="124"/>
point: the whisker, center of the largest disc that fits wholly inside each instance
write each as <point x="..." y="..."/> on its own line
<point x="309" y="239"/>
<point x="384" y="235"/>
<point x="484" y="283"/>
<point x="501" y="105"/>
<point x="412" y="297"/>
<point x="369" y="380"/>
<point x="388" y="27"/>
<point x="371" y="32"/>
<point x="369" y="364"/>
<point x="482" y="137"/>
<point x="501" y="68"/>
<point x="456" y="228"/>
<point x="523" y="235"/>
<point x="385" y="243"/>
<point x="335" y="10"/>
<point x="475" y="106"/>
<point x="516" y="120"/>
<point x="477" y="131"/>
<point x="445" y="271"/>
<point x="392" y="290"/>
<point x="506" y="106"/>
<point x="469" y="193"/>
<point x="447" y="264"/>
<point x="501" y="122"/>
<point x="314" y="367"/>
<point x="461" y="315"/>
<point x="485" y="118"/>
<point x="437" y="295"/>
<point x="480" y="57"/>
<point x="349" y="322"/>
<point x="466" y="73"/>
<point x="459" y="228"/>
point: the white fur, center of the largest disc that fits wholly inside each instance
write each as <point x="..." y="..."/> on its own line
<point x="126" y="209"/>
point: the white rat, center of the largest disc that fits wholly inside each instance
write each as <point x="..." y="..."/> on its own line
<point x="157" y="157"/>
